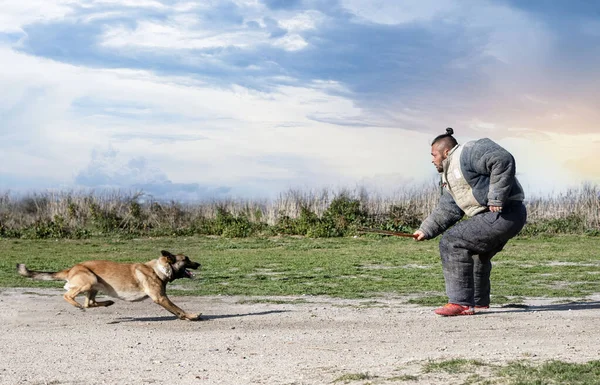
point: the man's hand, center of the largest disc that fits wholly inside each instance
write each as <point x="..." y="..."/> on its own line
<point x="419" y="235"/>
<point x="495" y="209"/>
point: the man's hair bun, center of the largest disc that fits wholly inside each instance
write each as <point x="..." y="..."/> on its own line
<point x="446" y="138"/>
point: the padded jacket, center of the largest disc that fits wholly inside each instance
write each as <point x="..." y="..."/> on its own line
<point x="476" y="175"/>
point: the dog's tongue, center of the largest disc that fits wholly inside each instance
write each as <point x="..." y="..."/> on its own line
<point x="189" y="274"/>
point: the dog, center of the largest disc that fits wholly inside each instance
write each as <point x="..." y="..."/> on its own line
<point x="126" y="281"/>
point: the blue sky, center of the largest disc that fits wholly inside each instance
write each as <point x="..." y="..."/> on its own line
<point x="249" y="98"/>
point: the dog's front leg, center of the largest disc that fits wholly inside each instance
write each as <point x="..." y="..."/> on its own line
<point x="165" y="302"/>
<point x="155" y="289"/>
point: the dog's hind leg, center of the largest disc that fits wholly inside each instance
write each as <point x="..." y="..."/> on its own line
<point x="70" y="295"/>
<point x="90" y="300"/>
<point x="80" y="280"/>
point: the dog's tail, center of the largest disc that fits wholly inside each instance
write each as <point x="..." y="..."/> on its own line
<point x="42" y="275"/>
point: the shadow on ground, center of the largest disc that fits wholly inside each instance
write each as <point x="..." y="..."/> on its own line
<point x="567" y="306"/>
<point x="204" y="317"/>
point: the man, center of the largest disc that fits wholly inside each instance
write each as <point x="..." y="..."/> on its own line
<point x="478" y="180"/>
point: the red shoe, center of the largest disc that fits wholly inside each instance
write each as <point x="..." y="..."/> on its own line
<point x="482" y="307"/>
<point x="452" y="309"/>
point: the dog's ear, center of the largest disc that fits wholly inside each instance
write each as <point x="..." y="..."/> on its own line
<point x="165" y="253"/>
<point x="170" y="259"/>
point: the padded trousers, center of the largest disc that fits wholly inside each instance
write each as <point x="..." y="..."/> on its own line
<point x="467" y="248"/>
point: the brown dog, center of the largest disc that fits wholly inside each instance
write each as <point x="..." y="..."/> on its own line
<point x="126" y="281"/>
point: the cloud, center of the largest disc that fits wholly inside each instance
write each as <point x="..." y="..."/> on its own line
<point x="105" y="169"/>
<point x="17" y="14"/>
<point x="283" y="4"/>
<point x="108" y="170"/>
<point x="254" y="96"/>
<point x="15" y="182"/>
<point x="191" y="133"/>
<point x="232" y="43"/>
<point x="395" y="13"/>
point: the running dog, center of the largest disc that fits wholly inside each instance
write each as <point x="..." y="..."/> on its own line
<point x="126" y="281"/>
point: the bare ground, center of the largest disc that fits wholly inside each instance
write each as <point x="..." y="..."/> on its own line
<point x="249" y="340"/>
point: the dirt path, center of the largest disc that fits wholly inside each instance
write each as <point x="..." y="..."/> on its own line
<point x="46" y="341"/>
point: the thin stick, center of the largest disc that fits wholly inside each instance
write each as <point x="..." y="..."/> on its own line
<point x="386" y="232"/>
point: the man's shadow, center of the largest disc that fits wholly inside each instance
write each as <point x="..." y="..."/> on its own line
<point x="567" y="306"/>
<point x="204" y="317"/>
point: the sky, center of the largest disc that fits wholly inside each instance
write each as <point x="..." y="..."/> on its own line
<point x="192" y="100"/>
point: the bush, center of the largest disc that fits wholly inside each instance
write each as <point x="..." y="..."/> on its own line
<point x="324" y="214"/>
<point x="297" y="226"/>
<point x="105" y="220"/>
<point x="57" y="228"/>
<point x="342" y="217"/>
<point x="231" y="226"/>
<point x="568" y="225"/>
<point x="402" y="218"/>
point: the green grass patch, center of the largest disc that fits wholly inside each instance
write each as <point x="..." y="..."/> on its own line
<point x="346" y="378"/>
<point x="454" y="366"/>
<point x="552" y="372"/>
<point x="364" y="267"/>
<point x="516" y="373"/>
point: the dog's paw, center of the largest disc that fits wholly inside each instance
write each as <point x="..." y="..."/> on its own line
<point x="192" y="317"/>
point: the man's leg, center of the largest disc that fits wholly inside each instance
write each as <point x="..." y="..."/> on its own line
<point x="484" y="235"/>
<point x="458" y="265"/>
<point x="511" y="221"/>
<point x="482" y="268"/>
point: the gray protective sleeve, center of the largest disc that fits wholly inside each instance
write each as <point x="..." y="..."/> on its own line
<point x="442" y="217"/>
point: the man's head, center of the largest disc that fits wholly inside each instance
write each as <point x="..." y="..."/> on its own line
<point x="441" y="146"/>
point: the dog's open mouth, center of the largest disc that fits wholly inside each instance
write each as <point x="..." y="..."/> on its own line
<point x="188" y="274"/>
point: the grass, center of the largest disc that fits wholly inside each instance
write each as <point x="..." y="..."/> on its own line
<point x="512" y="373"/>
<point x="364" y="267"/>
<point x="552" y="372"/>
<point x="453" y="366"/>
<point x="476" y="372"/>
<point x="350" y="377"/>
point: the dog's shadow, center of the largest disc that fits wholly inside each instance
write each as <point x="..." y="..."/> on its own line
<point x="567" y="306"/>
<point x="204" y="317"/>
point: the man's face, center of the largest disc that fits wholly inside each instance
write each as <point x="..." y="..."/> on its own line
<point x="438" y="156"/>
